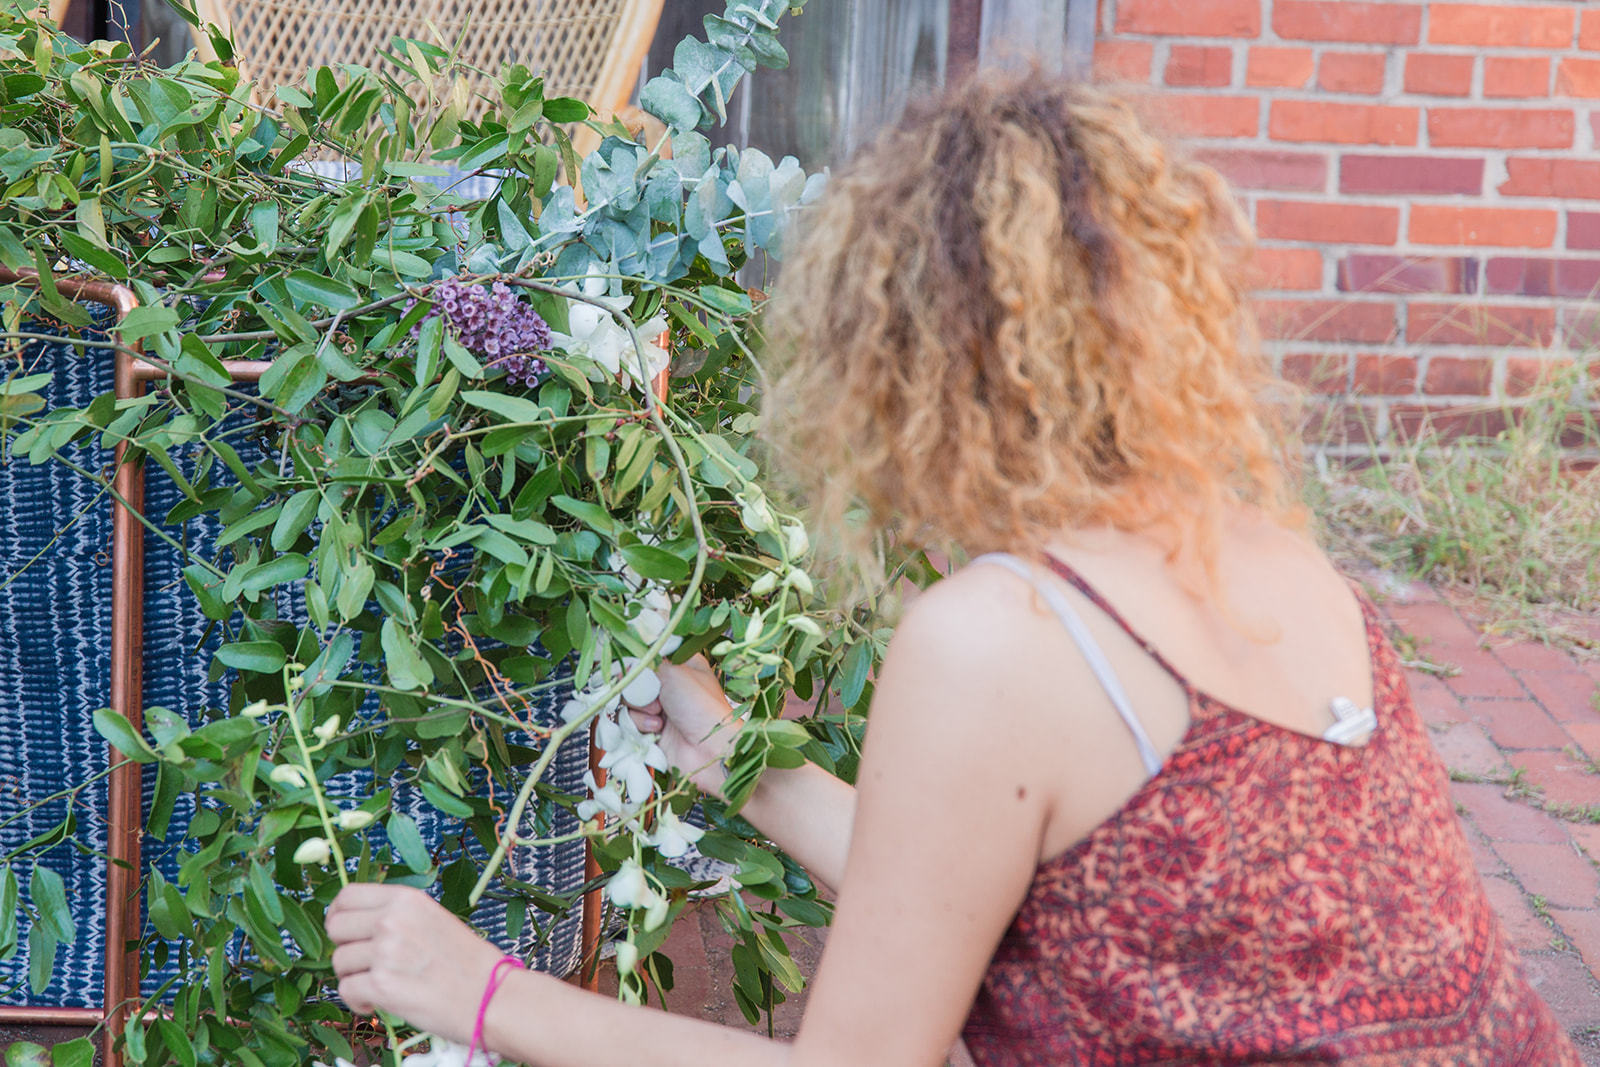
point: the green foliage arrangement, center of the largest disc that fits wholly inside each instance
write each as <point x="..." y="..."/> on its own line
<point x="468" y="484"/>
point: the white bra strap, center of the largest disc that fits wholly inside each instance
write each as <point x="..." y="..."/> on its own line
<point x="1089" y="647"/>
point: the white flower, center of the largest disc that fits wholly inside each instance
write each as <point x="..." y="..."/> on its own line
<point x="649" y="625"/>
<point x="800" y="580"/>
<point x="596" y="333"/>
<point x="288" y="774"/>
<point x="753" y="510"/>
<point x="627" y="956"/>
<point x="655" y="611"/>
<point x="611" y="345"/>
<point x="606" y="798"/>
<point x="326" y="731"/>
<point x="313" y="850"/>
<point x="671" y="836"/>
<point x="804" y="625"/>
<point x="643" y="689"/>
<point x="629" y="756"/>
<point x="583" y="702"/>
<point x="255" y="710"/>
<point x="629" y="888"/>
<point x="797" y="541"/>
<point x="355" y="819"/>
<point x="338" y="1061"/>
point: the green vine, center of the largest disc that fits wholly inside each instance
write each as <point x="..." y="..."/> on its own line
<point x="468" y="531"/>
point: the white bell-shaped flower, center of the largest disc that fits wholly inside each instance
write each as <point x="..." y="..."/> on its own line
<point x="314" y="850"/>
<point x="630" y="888"/>
<point x="288" y="774"/>
<point x="672" y="836"/>
<point x="629" y="756"/>
<point x="643" y="689"/>
<point x="604" y="798"/>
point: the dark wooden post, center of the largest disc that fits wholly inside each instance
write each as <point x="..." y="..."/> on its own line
<point x="113" y="20"/>
<point x="962" y="44"/>
<point x="1081" y="30"/>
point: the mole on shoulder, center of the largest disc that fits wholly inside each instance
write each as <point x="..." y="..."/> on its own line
<point x="1022" y="791"/>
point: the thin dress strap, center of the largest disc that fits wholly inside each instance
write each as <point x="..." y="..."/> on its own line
<point x="1090" y="649"/>
<point x="1074" y="579"/>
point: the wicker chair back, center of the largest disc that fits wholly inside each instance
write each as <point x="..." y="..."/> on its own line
<point x="590" y="49"/>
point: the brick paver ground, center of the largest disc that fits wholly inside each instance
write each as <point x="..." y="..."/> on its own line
<point x="1519" y="728"/>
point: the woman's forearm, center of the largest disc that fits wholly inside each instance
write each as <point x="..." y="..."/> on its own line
<point x="808" y="813"/>
<point x="537" y="1020"/>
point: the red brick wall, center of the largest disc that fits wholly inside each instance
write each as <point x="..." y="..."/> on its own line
<point x="1423" y="178"/>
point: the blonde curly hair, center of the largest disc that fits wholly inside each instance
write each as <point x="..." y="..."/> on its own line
<point x="1017" y="313"/>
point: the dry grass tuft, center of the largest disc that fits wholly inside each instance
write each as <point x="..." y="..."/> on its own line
<point x="1511" y="525"/>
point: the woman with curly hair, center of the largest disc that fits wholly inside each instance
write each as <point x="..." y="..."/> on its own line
<point x="1143" y="782"/>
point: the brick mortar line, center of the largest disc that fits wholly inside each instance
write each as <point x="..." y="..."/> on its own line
<point x="1313" y="94"/>
<point x="1488" y="302"/>
<point x="1468" y="201"/>
<point x="1330" y="151"/>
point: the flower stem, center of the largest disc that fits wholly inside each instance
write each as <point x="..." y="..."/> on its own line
<point x="329" y="833"/>
<point x="702" y="553"/>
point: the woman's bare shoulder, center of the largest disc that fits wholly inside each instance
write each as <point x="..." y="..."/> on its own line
<point x="979" y="609"/>
<point x="982" y="633"/>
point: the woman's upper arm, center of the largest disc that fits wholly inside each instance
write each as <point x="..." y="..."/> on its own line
<point x="950" y="812"/>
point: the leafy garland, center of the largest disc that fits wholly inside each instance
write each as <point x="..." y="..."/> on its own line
<point x="463" y="481"/>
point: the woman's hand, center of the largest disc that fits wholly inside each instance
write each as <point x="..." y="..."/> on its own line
<point x="399" y="950"/>
<point x="693" y="719"/>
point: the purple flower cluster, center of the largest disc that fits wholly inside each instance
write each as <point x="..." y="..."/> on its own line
<point x="493" y="322"/>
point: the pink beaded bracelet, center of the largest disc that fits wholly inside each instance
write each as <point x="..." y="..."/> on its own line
<point x="496" y="977"/>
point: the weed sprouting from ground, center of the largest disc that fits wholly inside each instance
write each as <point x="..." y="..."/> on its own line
<point x="1512" y="522"/>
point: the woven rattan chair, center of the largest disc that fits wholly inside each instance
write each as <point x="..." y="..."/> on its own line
<point x="590" y="49"/>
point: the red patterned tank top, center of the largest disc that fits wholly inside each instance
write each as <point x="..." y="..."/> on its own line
<point x="1267" y="898"/>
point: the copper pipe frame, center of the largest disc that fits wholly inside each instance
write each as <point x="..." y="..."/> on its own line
<point x="125" y="810"/>
<point x="23" y="1015"/>
<point x="123" y="788"/>
<point x="594" y="901"/>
